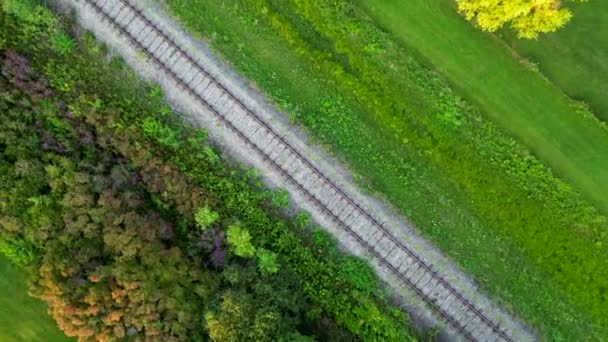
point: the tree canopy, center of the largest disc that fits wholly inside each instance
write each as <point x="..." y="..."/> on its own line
<point x="528" y="18"/>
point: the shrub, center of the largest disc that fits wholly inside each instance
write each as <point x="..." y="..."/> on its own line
<point x="205" y="217"/>
<point x="267" y="261"/>
<point x="240" y="241"/>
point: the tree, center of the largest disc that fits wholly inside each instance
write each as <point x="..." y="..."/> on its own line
<point x="212" y="241"/>
<point x="119" y="281"/>
<point x="528" y="18"/>
<point x="230" y="323"/>
<point x="240" y="241"/>
<point x="253" y="316"/>
<point x="205" y="217"/>
<point x="267" y="261"/>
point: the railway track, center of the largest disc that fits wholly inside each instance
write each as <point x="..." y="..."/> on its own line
<point x="192" y="77"/>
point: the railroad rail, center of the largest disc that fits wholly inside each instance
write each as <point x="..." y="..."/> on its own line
<point x="192" y="77"/>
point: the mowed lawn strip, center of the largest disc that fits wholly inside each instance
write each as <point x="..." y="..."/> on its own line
<point x="399" y="171"/>
<point x="23" y="318"/>
<point x="483" y="70"/>
<point x="575" y="58"/>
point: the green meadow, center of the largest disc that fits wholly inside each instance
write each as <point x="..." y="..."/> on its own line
<point x="23" y="318"/>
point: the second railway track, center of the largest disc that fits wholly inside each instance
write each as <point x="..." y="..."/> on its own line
<point x="190" y="75"/>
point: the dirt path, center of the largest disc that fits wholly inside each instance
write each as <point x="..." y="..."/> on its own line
<point x="243" y="123"/>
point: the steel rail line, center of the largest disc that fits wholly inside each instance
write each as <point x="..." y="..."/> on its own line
<point x="440" y="281"/>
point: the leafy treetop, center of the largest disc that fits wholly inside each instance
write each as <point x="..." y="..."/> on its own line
<point x="240" y="241"/>
<point x="528" y="18"/>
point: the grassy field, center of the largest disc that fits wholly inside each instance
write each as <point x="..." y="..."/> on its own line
<point x="526" y="236"/>
<point x="483" y="70"/>
<point x="575" y="58"/>
<point x="23" y="318"/>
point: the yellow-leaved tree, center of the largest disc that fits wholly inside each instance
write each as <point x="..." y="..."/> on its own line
<point x="527" y="17"/>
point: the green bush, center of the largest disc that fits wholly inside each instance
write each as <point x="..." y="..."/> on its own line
<point x="359" y="274"/>
<point x="240" y="240"/>
<point x="205" y="217"/>
<point x="267" y="261"/>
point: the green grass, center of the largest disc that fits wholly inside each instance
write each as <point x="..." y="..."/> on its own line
<point x="483" y="70"/>
<point x="470" y="188"/>
<point x="575" y="58"/>
<point x="23" y="318"/>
